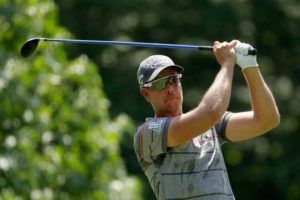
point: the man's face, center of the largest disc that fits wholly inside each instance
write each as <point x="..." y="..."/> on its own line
<point x="168" y="101"/>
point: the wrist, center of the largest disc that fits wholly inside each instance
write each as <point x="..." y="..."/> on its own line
<point x="228" y="64"/>
<point x="250" y="67"/>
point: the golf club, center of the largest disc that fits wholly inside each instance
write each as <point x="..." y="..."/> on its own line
<point x="31" y="45"/>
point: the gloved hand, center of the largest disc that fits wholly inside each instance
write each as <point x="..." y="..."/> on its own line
<point x="242" y="58"/>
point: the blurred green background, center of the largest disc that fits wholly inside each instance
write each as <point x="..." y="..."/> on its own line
<point x="68" y="113"/>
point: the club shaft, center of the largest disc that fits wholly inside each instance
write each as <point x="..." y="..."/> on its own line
<point x="139" y="44"/>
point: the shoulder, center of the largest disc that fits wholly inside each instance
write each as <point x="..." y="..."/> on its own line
<point x="153" y="124"/>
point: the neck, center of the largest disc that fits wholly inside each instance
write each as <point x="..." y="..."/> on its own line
<point x="168" y="114"/>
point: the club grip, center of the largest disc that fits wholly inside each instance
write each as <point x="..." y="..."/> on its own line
<point x="252" y="52"/>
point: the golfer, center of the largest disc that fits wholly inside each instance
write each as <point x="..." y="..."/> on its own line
<point x="180" y="153"/>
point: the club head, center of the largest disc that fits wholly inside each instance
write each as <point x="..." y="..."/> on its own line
<point x="29" y="47"/>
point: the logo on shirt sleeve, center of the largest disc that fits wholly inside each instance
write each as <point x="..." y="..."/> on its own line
<point x="154" y="126"/>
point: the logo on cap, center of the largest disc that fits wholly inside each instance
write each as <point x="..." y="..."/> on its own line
<point x="155" y="62"/>
<point x="141" y="77"/>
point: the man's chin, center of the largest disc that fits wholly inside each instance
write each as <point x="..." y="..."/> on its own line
<point x="174" y="105"/>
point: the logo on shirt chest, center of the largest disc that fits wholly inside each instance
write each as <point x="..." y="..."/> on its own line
<point x="208" y="137"/>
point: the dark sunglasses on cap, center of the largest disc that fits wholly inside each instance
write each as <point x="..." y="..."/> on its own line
<point x="161" y="83"/>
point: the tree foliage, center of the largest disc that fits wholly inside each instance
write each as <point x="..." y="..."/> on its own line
<point x="57" y="138"/>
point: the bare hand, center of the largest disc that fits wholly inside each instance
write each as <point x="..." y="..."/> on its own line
<point x="225" y="53"/>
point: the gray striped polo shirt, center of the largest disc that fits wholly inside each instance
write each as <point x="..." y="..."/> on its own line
<point x="194" y="170"/>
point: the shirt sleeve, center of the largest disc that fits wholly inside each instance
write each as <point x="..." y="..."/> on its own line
<point x="221" y="127"/>
<point x="150" y="140"/>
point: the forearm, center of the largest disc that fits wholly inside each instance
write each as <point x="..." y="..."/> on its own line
<point x="217" y="97"/>
<point x="262" y="101"/>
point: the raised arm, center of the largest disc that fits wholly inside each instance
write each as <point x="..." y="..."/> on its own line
<point x="213" y="104"/>
<point x="264" y="114"/>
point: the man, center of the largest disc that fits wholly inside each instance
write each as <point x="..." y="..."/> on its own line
<point x="179" y="152"/>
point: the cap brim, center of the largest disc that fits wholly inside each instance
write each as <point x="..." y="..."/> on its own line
<point x="157" y="71"/>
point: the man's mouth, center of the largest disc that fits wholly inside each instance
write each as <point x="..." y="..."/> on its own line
<point x="172" y="98"/>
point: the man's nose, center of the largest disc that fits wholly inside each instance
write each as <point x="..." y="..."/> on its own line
<point x="170" y="88"/>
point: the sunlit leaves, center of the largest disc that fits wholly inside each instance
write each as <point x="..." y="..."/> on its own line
<point x="58" y="140"/>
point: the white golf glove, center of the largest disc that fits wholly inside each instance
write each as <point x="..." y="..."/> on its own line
<point x="243" y="59"/>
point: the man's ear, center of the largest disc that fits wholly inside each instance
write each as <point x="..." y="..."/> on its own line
<point x="145" y="93"/>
